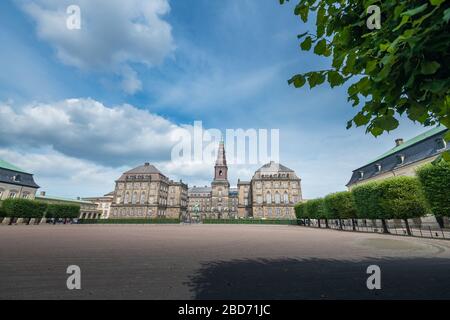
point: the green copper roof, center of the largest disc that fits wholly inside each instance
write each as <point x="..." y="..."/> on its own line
<point x="50" y="198"/>
<point x="410" y="142"/>
<point x="9" y="166"/>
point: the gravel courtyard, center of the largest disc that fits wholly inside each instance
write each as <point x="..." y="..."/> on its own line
<point x="217" y="262"/>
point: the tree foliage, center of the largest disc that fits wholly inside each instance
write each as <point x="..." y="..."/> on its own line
<point x="435" y="181"/>
<point x="367" y="201"/>
<point x="340" y="205"/>
<point x="401" y="68"/>
<point x="315" y="209"/>
<point x="63" y="211"/>
<point x="402" y="197"/>
<point x="23" y="208"/>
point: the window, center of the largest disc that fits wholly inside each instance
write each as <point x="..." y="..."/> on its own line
<point x="259" y="199"/>
<point x="441" y="144"/>
<point x="277" y="198"/>
<point x="118" y="199"/>
<point x="268" y="197"/>
<point x="134" y="199"/>
<point x="400" y="159"/>
<point x="286" y="197"/>
<point x="378" y="167"/>
<point x="1" y="193"/>
<point x="361" y="174"/>
<point x="142" y="197"/>
<point x="220" y="173"/>
<point x="12" y="194"/>
<point x="278" y="211"/>
<point x="127" y="197"/>
<point x="26" y="195"/>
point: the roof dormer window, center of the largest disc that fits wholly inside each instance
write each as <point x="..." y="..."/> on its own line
<point x="400" y="159"/>
<point x="378" y="167"/>
<point x="361" y="174"/>
<point x="441" y="144"/>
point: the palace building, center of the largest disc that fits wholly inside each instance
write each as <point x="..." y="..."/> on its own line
<point x="272" y="193"/>
<point x="144" y="192"/>
<point x="403" y="159"/>
<point x="15" y="182"/>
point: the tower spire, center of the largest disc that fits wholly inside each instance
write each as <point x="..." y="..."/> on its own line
<point x="221" y="168"/>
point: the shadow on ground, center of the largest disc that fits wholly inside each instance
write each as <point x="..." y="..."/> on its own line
<point x="413" y="278"/>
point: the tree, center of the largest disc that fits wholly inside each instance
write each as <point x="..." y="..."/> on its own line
<point x="63" y="211"/>
<point x="367" y="202"/>
<point x="401" y="68"/>
<point x="403" y="198"/>
<point x="316" y="209"/>
<point x="23" y="208"/>
<point x="341" y="205"/>
<point x="435" y="181"/>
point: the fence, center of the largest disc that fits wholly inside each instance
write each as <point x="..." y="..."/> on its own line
<point x="423" y="230"/>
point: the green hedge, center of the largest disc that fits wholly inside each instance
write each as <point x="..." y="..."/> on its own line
<point x="435" y="182"/>
<point x="129" y="221"/>
<point x="315" y="209"/>
<point x="367" y="201"/>
<point x="340" y="205"/>
<point x="23" y="208"/>
<point x="250" y="221"/>
<point x="402" y="198"/>
<point x="301" y="210"/>
<point x="63" y="211"/>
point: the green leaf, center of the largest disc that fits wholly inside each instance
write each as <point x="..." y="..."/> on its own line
<point x="321" y="47"/>
<point x="386" y="123"/>
<point x="447" y="15"/>
<point x="302" y="10"/>
<point x="429" y="67"/>
<point x="306" y="44"/>
<point x="446" y="156"/>
<point x="320" y="22"/>
<point x="335" y="78"/>
<point x="447" y="136"/>
<point x="298" y="81"/>
<point x="315" y="79"/>
<point x="415" y="11"/>
<point x="360" y="119"/>
<point x="437" y="2"/>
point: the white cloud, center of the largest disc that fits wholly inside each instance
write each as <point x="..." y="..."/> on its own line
<point x="113" y="34"/>
<point x="86" y="129"/>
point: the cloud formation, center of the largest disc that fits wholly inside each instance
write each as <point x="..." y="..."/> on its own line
<point x="87" y="129"/>
<point x="113" y="35"/>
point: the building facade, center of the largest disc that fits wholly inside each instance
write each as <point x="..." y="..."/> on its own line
<point x="271" y="194"/>
<point x="404" y="158"/>
<point x="144" y="192"/>
<point x="88" y="209"/>
<point x="15" y="182"/>
<point x="103" y="204"/>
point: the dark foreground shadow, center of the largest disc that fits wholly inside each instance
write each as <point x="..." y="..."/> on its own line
<point x="414" y="278"/>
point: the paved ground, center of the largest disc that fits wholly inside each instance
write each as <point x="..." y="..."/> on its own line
<point x="217" y="261"/>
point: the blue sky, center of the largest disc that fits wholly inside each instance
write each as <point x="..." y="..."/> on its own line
<point x="78" y="107"/>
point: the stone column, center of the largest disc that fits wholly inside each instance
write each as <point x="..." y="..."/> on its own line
<point x="6" y="221"/>
<point x="32" y="221"/>
<point x="19" y="221"/>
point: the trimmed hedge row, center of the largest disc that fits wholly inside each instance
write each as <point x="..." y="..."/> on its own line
<point x="63" y="211"/>
<point x="250" y="221"/>
<point x="129" y="221"/>
<point x="25" y="208"/>
<point x="394" y="198"/>
<point x="435" y="181"/>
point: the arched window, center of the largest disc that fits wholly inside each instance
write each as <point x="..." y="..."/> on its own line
<point x="127" y="197"/>
<point x="259" y="199"/>
<point x="134" y="199"/>
<point x="142" y="197"/>
<point x="277" y="198"/>
<point x="269" y="197"/>
<point x="286" y="197"/>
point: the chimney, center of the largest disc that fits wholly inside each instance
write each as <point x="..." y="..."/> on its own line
<point x="398" y="142"/>
<point x="43" y="193"/>
<point x="147" y="164"/>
